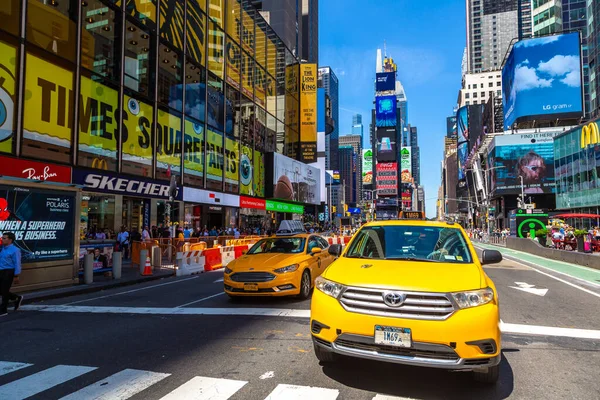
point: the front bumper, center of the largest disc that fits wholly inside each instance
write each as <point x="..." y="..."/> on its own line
<point x="283" y="285"/>
<point x="469" y="339"/>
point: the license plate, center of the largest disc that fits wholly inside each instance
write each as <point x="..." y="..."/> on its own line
<point x="391" y="336"/>
<point x="251" y="287"/>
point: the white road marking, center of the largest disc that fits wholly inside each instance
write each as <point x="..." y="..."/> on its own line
<point x="550" y="331"/>
<point x="267" y="375"/>
<point x="386" y="397"/>
<point x="526" y="287"/>
<point x="6" y="367"/>
<point x="201" y="388"/>
<point x="131" y="291"/>
<point x="119" y="386"/>
<point x="198" y="301"/>
<point x="218" y="280"/>
<point x="293" y="392"/>
<point x="43" y="380"/>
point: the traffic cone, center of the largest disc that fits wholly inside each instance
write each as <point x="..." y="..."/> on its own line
<point x="147" y="268"/>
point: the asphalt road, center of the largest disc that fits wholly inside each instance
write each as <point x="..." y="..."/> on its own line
<point x="146" y="341"/>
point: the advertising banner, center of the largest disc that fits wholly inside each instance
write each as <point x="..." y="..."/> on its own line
<point x="258" y="180"/>
<point x="294" y="180"/>
<point x="284" y="207"/>
<point x="451" y="128"/>
<point x="246" y="170"/>
<point x="251" y="202"/>
<point x="103" y="261"/>
<point x="42" y="221"/>
<point x="385" y="81"/>
<point x="462" y="120"/>
<point x="475" y="124"/>
<point x="8" y="84"/>
<point x="367" y="167"/>
<point x="386" y="144"/>
<point x="194" y="195"/>
<point x="308" y="112"/>
<point x="406" y="165"/>
<point x="462" y="155"/>
<point x="34" y="170"/>
<point x="137" y="132"/>
<point x="193" y="145"/>
<point x="385" y="111"/>
<point x="387" y="179"/>
<point x="541" y="79"/>
<point x="336" y="177"/>
<point x="530" y="156"/>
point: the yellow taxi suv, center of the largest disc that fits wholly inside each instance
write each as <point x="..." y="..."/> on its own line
<point x="409" y="292"/>
<point x="282" y="265"/>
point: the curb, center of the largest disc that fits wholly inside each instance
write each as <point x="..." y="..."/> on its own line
<point x="85" y="289"/>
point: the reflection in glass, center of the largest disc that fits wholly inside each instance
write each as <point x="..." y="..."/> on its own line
<point x="216" y="103"/>
<point x="216" y="42"/>
<point x="260" y="129"/>
<point x="214" y="160"/>
<point x="144" y="11"/>
<point x="52" y="25"/>
<point x="271" y="95"/>
<point x="261" y="45"/>
<point x="260" y="78"/>
<point x="248" y="16"/>
<point x="216" y="10"/>
<point x="196" y="27"/>
<point x="271" y="134"/>
<point x="137" y="137"/>
<point x="172" y="22"/>
<point x="247" y="75"/>
<point x="10" y="16"/>
<point x="138" y="68"/>
<point x="232" y="165"/>
<point x="169" y="77"/>
<point x="234" y="61"/>
<point x="100" y="49"/>
<point x="193" y="153"/>
<point x="8" y="86"/>
<point x="195" y="91"/>
<point x="168" y="144"/>
<point x="247" y="129"/>
<point x="232" y="112"/>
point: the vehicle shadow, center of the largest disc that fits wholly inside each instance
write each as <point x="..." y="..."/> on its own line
<point x="416" y="382"/>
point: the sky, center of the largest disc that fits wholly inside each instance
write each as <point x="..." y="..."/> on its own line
<point x="426" y="39"/>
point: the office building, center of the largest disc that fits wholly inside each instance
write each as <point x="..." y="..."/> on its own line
<point x="347" y="173"/>
<point x="491" y="26"/>
<point x="310" y="31"/>
<point x="478" y="88"/>
<point x="357" y="125"/>
<point x="415" y="155"/>
<point x="329" y="81"/>
<point x="356" y="142"/>
<point x="525" y="20"/>
<point x="285" y="17"/>
<point x="547" y="17"/>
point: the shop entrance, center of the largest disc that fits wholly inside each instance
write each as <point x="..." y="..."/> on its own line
<point x="133" y="213"/>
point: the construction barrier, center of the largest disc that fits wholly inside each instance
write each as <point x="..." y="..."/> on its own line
<point x="198" y="246"/>
<point x="239" y="250"/>
<point x="190" y="262"/>
<point x="137" y="246"/>
<point x="212" y="259"/>
<point x="227" y="255"/>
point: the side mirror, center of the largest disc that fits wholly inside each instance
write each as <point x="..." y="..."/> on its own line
<point x="490" y="257"/>
<point x="316" y="250"/>
<point x="335" y="250"/>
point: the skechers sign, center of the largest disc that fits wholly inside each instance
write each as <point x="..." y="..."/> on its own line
<point x="112" y="183"/>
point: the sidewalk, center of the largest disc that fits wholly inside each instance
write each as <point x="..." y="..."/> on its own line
<point x="129" y="276"/>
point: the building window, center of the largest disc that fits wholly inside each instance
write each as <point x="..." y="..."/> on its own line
<point x="482" y="94"/>
<point x="170" y="77"/>
<point x="467" y="95"/>
<point x="491" y="84"/>
<point x="474" y="101"/>
<point x="138" y="60"/>
<point x="475" y="95"/>
<point x="499" y="83"/>
<point x="467" y="103"/>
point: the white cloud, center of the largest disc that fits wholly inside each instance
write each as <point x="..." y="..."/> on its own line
<point x="537" y="41"/>
<point x="572" y="79"/>
<point x="560" y="65"/>
<point x="527" y="78"/>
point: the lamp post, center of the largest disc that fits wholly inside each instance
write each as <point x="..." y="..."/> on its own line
<point x="522" y="192"/>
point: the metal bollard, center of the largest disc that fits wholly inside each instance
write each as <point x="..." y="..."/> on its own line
<point x="88" y="269"/>
<point x="156" y="257"/>
<point x="117" y="264"/>
<point x="143" y="256"/>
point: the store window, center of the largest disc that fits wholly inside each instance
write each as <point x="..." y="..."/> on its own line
<point x="193" y="153"/>
<point x="216" y="43"/>
<point x="172" y="22"/>
<point x="232" y="112"/>
<point x="144" y="11"/>
<point x="169" y="141"/>
<point x="196" y="29"/>
<point x="52" y="25"/>
<point x="214" y="160"/>
<point x="10" y="15"/>
<point x="48" y="115"/>
<point x="216" y="103"/>
<point x="139" y="56"/>
<point x="8" y="86"/>
<point x="100" y="39"/>
<point x="195" y="90"/>
<point x="97" y="213"/>
<point x="170" y="79"/>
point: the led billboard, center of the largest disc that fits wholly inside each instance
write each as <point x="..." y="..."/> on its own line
<point x="451" y="128"/>
<point x="530" y="156"/>
<point x="541" y="79"/>
<point x="367" y="167"/>
<point x="386" y="144"/>
<point x="385" y="111"/>
<point x="405" y="165"/>
<point x="475" y="129"/>
<point x="385" y="81"/>
<point x="463" y="153"/>
<point x="292" y="180"/>
<point x="462" y="120"/>
<point x="387" y="179"/>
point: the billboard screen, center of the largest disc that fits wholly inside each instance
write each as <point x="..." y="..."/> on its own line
<point x="475" y="123"/>
<point x="386" y="144"/>
<point x="295" y="181"/>
<point x="385" y="111"/>
<point x="367" y="167"/>
<point x="387" y="179"/>
<point x="463" y="153"/>
<point x="405" y="165"/>
<point x="385" y="81"/>
<point x="451" y="128"/>
<point x="530" y="156"/>
<point x="308" y="112"/>
<point x="541" y="79"/>
<point x="462" y="120"/>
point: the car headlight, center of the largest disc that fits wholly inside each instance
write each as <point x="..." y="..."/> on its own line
<point x="473" y="298"/>
<point x="289" y="268"/>
<point x="330" y="288"/>
<point x="228" y="270"/>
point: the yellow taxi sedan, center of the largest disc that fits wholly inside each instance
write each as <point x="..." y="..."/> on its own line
<point x="409" y="292"/>
<point x="285" y="265"/>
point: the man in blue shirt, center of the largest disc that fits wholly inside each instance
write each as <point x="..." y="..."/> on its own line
<point x="10" y="269"/>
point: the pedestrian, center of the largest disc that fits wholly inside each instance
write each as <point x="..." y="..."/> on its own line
<point x="100" y="235"/>
<point x="10" y="269"/>
<point x="187" y="232"/>
<point x="145" y="234"/>
<point x="123" y="239"/>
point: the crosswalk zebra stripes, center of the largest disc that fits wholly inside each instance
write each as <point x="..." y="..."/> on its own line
<point x="129" y="382"/>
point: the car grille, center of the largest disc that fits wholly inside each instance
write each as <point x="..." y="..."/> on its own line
<point x="398" y="351"/>
<point x="252" y="277"/>
<point x="431" y="306"/>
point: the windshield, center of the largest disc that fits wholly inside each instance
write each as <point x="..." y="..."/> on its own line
<point x="417" y="243"/>
<point x="278" y="245"/>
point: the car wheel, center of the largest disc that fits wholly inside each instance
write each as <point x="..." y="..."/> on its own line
<point x="305" y="285"/>
<point x="324" y="356"/>
<point x="487" y="375"/>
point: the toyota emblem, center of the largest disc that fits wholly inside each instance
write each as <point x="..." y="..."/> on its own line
<point x="393" y="299"/>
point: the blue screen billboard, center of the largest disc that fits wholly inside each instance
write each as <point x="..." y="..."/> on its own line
<point x="385" y="111"/>
<point x="462" y="120"/>
<point x="385" y="81"/>
<point x="463" y="154"/>
<point x="541" y="79"/>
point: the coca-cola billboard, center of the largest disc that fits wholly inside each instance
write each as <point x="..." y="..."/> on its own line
<point x="34" y="170"/>
<point x="387" y="179"/>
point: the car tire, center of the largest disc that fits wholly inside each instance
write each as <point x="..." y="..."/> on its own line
<point x="305" y="285"/>
<point x="488" y="375"/>
<point x="324" y="356"/>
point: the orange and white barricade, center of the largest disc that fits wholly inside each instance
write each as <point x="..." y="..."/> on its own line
<point x="227" y="255"/>
<point x="190" y="262"/>
<point x="212" y="259"/>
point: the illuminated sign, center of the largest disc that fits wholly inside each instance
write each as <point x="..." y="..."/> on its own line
<point x="308" y="112"/>
<point x="590" y="135"/>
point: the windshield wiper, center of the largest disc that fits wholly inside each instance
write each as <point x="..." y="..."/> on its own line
<point x="411" y="259"/>
<point x="359" y="256"/>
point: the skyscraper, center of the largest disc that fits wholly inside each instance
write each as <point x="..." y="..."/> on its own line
<point x="525" y="20"/>
<point x="547" y="17"/>
<point x="346" y="161"/>
<point x="330" y="83"/>
<point x="310" y="31"/>
<point x="415" y="155"/>
<point x="357" y="125"/>
<point x="491" y="26"/>
<point x="355" y="141"/>
<point x="285" y="17"/>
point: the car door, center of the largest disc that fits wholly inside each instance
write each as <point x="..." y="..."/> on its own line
<point x="326" y="258"/>
<point x="316" y="264"/>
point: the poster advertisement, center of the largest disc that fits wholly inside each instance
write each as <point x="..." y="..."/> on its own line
<point x="386" y="144"/>
<point x="8" y="56"/>
<point x="387" y="179"/>
<point x="463" y="154"/>
<point x="246" y="171"/>
<point x="103" y="256"/>
<point x="367" y="167"/>
<point x="295" y="181"/>
<point x="385" y="111"/>
<point x="406" y="165"/>
<point x="308" y="112"/>
<point x="42" y="222"/>
<point x="462" y="120"/>
<point x="259" y="174"/>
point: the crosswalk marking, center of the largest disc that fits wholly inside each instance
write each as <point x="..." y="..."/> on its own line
<point x="40" y="381"/>
<point x="385" y="397"/>
<point x="293" y="392"/>
<point x="7" y="367"/>
<point x="202" y="388"/>
<point x="119" y="386"/>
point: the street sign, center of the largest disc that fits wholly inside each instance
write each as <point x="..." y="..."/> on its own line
<point x="492" y="208"/>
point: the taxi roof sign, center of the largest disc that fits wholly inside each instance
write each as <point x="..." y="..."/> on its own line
<point x="412" y="215"/>
<point x="290" y="228"/>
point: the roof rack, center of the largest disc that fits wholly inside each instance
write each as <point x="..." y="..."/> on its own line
<point x="288" y="228"/>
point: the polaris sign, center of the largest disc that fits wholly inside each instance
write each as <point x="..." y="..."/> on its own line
<point x="386" y="81"/>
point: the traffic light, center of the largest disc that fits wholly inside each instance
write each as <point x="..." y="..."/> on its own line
<point x="345" y="208"/>
<point x="333" y="209"/>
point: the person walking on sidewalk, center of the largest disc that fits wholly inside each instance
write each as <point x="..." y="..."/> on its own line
<point x="10" y="269"/>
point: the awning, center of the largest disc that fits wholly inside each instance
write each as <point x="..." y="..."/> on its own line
<point x="594" y="216"/>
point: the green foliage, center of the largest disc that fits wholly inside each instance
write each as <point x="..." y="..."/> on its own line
<point x="541" y="233"/>
<point x="580" y="233"/>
